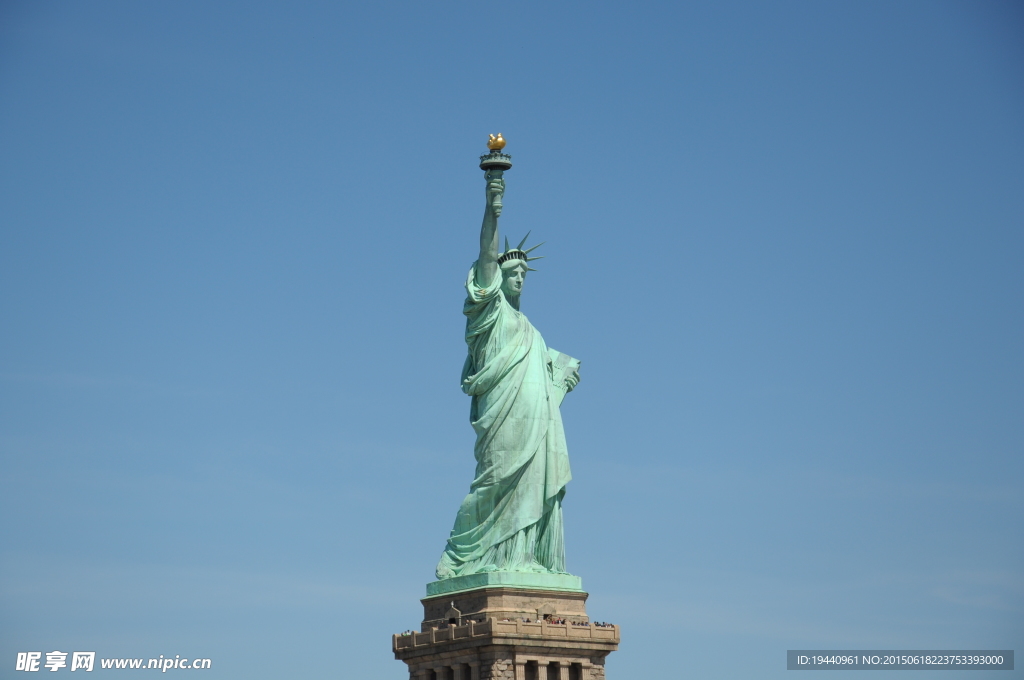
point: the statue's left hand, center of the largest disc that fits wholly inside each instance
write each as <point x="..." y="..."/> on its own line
<point x="572" y="381"/>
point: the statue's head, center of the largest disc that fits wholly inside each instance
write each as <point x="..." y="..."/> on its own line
<point x="513" y="274"/>
<point x="514" y="265"/>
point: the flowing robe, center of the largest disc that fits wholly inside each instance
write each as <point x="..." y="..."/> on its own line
<point x="512" y="518"/>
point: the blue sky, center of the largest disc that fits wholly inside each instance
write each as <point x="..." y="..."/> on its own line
<point x="785" y="240"/>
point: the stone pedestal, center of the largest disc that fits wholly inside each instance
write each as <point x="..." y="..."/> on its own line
<point x="507" y="633"/>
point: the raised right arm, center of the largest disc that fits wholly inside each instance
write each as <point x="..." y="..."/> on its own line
<point x="487" y="263"/>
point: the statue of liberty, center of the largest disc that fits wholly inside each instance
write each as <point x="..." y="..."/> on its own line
<point x="511" y="521"/>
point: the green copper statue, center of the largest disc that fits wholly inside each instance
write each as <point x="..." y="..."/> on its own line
<point x="511" y="521"/>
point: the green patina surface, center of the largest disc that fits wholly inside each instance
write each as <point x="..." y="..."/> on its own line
<point x="508" y="529"/>
<point x="508" y="579"/>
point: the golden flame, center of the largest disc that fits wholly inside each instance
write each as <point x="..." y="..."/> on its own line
<point x="496" y="143"/>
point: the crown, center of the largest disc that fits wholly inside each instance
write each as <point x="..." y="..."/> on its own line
<point x="518" y="253"/>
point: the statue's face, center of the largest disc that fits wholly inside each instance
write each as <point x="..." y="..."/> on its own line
<point x="512" y="279"/>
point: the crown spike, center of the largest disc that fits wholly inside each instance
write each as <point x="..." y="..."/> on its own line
<point x="528" y="250"/>
<point x="523" y="242"/>
<point x="506" y="243"/>
<point x="539" y="257"/>
<point x="530" y="269"/>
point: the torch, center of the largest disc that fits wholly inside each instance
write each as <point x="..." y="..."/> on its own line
<point x="494" y="165"/>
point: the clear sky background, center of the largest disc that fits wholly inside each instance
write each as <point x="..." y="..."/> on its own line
<point x="785" y="239"/>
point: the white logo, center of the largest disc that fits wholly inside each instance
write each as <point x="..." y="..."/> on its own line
<point x="28" y="661"/>
<point x="55" y="660"/>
